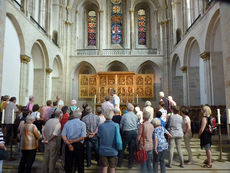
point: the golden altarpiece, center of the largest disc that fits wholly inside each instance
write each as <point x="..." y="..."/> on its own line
<point x="129" y="86"/>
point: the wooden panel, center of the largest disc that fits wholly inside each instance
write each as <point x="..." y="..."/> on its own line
<point x="127" y="84"/>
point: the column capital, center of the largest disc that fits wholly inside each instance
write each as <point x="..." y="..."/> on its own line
<point x="131" y="11"/>
<point x="205" y="56"/>
<point x="184" y="69"/>
<point x="68" y="7"/>
<point x="49" y="70"/>
<point x="101" y="11"/>
<point x="25" y="59"/>
<point x="67" y="22"/>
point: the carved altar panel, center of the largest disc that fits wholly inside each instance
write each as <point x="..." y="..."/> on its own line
<point x="128" y="85"/>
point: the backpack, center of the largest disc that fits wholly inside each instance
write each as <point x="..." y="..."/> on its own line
<point x="211" y="127"/>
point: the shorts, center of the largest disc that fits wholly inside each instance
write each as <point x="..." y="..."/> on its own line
<point x="206" y="147"/>
<point x="108" y="161"/>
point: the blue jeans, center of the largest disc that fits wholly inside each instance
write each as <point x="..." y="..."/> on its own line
<point x="128" y="138"/>
<point x="160" y="157"/>
<point x="92" y="144"/>
<point x="146" y="167"/>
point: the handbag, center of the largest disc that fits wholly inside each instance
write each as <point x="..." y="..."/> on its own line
<point x="141" y="155"/>
<point x="118" y="140"/>
<point x="3" y="154"/>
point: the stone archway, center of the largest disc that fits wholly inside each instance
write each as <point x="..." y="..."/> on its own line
<point x="117" y="66"/>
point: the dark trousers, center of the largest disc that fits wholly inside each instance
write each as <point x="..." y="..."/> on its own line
<point x="10" y="133"/>
<point x="74" y="159"/>
<point x="92" y="144"/>
<point x="128" y="138"/>
<point x="27" y="160"/>
<point x="160" y="157"/>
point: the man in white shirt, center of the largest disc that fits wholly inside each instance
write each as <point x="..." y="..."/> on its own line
<point x="60" y="102"/>
<point x="116" y="99"/>
<point x="106" y="105"/>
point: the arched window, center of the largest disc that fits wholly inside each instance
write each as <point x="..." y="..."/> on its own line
<point x="178" y="35"/>
<point x="116" y="22"/>
<point x="92" y="28"/>
<point x="141" y="27"/>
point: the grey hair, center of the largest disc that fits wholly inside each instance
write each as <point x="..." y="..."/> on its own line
<point x="113" y="91"/>
<point x="107" y="98"/>
<point x="109" y="114"/>
<point x="161" y="94"/>
<point x="148" y="103"/>
<point x="156" y="122"/>
<point x="58" y="113"/>
<point x="29" y="118"/>
<point x="89" y="109"/>
<point x="130" y="107"/>
<point x="77" y="114"/>
<point x="116" y="110"/>
<point x="146" y="115"/>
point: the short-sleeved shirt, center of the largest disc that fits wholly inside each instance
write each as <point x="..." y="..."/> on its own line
<point x="148" y="132"/>
<point x="185" y="121"/>
<point x="164" y="114"/>
<point x="116" y="119"/>
<point x="129" y="121"/>
<point x="91" y="121"/>
<point x="159" y="134"/>
<point x="8" y="113"/>
<point x="45" y="112"/>
<point x="107" y="105"/>
<point x="74" y="129"/>
<point x="116" y="100"/>
<point x="36" y="115"/>
<point x="106" y="133"/>
<point x="175" y="125"/>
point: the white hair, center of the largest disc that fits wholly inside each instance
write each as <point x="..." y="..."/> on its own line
<point x="77" y="113"/>
<point x="73" y="102"/>
<point x="161" y="94"/>
<point x="130" y="107"/>
<point x="116" y="110"/>
<point x="146" y="115"/>
<point x="148" y="103"/>
<point x="29" y="118"/>
<point x="156" y="122"/>
<point x="109" y="114"/>
<point x="137" y="109"/>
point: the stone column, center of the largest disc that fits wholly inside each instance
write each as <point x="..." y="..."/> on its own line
<point x="101" y="31"/>
<point x="132" y="38"/>
<point x="208" y="81"/>
<point x="185" y="86"/>
<point x="24" y="79"/>
<point x="48" y="84"/>
<point x="225" y="35"/>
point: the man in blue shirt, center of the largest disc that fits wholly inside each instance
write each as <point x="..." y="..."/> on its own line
<point x="73" y="134"/>
<point x="128" y="126"/>
<point x="108" y="134"/>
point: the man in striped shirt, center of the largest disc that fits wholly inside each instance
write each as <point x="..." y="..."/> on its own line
<point x="29" y="144"/>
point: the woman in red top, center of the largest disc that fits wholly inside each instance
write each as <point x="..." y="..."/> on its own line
<point x="65" y="116"/>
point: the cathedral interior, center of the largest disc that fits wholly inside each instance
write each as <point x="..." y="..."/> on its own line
<point x="81" y="49"/>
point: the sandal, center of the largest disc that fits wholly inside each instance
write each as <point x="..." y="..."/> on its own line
<point x="207" y="166"/>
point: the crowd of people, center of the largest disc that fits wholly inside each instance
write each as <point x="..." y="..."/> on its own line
<point x="70" y="132"/>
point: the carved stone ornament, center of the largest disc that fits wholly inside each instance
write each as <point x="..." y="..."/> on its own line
<point x="25" y="59"/>
<point x="205" y="56"/>
<point x="183" y="69"/>
<point x="48" y="70"/>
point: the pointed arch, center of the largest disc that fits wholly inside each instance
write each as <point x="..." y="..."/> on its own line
<point x="116" y="66"/>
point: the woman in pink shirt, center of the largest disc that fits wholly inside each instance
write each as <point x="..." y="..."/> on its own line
<point x="45" y="110"/>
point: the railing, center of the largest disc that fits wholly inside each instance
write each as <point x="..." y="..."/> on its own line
<point x="193" y="23"/>
<point x="38" y="25"/>
<point x="115" y="52"/>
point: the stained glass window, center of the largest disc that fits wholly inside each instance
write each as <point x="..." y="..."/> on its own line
<point x="141" y="27"/>
<point x="92" y="28"/>
<point x="116" y="22"/>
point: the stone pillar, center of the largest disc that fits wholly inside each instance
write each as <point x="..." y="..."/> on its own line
<point x="48" y="19"/>
<point x="24" y="79"/>
<point x="225" y="35"/>
<point x="185" y="90"/>
<point x="132" y="38"/>
<point x="208" y="81"/>
<point x="2" y="37"/>
<point x="101" y="31"/>
<point x="48" y="84"/>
